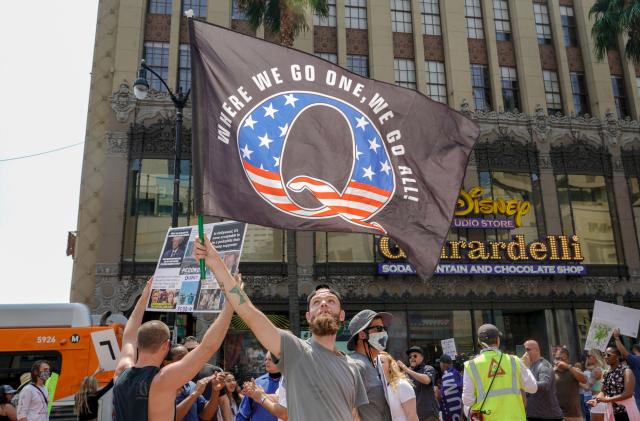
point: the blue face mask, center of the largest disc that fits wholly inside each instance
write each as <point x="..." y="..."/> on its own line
<point x="45" y="375"/>
<point x="378" y="340"/>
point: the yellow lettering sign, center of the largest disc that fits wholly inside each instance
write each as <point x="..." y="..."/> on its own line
<point x="471" y="202"/>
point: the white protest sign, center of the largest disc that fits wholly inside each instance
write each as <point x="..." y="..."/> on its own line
<point x="449" y="347"/>
<point x="107" y="349"/>
<point x="625" y="318"/>
<point x="600" y="332"/>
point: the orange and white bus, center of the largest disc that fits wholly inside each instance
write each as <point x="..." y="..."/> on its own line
<point x="58" y="333"/>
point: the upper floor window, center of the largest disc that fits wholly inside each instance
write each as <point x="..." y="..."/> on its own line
<point x="579" y="93"/>
<point x="552" y="92"/>
<point x="510" y="89"/>
<point x="199" y="7"/>
<point x="520" y="186"/>
<point x="501" y="18"/>
<point x="584" y="210"/>
<point x="619" y="96"/>
<point x="156" y="55"/>
<point x="405" y="72"/>
<point x="481" y="87"/>
<point x="430" y="10"/>
<point x="160" y="7"/>
<point x="150" y="201"/>
<point x="543" y="27"/>
<point x="569" y="32"/>
<point x="473" y="19"/>
<point x="401" y="16"/>
<point x="355" y="14"/>
<point x="631" y="164"/>
<point x="436" y="81"/>
<point x="236" y="13"/>
<point x="358" y="64"/>
<point x="184" y="67"/>
<point x="585" y="198"/>
<point x="330" y="19"/>
<point x="333" y="58"/>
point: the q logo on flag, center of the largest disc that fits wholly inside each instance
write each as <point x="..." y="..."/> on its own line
<point x="262" y="140"/>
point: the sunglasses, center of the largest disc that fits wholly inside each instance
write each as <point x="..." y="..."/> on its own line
<point x="610" y="355"/>
<point x="377" y="328"/>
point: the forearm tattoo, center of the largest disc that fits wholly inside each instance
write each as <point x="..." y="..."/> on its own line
<point x="240" y="293"/>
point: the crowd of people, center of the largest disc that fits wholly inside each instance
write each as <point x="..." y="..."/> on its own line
<point x="311" y="380"/>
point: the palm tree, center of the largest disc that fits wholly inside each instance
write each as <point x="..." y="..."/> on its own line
<point x="612" y="19"/>
<point x="287" y="18"/>
<point x="283" y="17"/>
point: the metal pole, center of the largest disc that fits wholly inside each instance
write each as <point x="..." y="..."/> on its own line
<point x="176" y="170"/>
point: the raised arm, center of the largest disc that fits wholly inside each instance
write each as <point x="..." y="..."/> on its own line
<point x="176" y="374"/>
<point x="130" y="335"/>
<point x="267" y="334"/>
<point x="421" y="377"/>
<point x="623" y="350"/>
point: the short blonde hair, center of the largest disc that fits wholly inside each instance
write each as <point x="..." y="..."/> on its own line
<point x="151" y="335"/>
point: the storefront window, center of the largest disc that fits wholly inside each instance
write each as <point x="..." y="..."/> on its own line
<point x="344" y="247"/>
<point x="149" y="205"/>
<point x="584" y="210"/>
<point x="262" y="244"/>
<point x="428" y="328"/>
<point x="519" y="186"/>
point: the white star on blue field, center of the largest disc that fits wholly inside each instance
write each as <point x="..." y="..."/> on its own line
<point x="262" y="133"/>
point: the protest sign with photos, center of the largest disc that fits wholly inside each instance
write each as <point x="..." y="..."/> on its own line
<point x="176" y="282"/>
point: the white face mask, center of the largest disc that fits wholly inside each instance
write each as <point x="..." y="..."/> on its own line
<point x="378" y="340"/>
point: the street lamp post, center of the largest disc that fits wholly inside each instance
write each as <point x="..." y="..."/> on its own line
<point x="140" y="90"/>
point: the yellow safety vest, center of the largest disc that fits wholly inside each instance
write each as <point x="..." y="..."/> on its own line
<point x="504" y="400"/>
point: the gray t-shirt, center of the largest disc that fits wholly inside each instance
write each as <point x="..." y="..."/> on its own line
<point x="377" y="409"/>
<point x="321" y="384"/>
<point x="543" y="403"/>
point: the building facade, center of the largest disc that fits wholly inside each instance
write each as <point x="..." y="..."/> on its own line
<point x="559" y="130"/>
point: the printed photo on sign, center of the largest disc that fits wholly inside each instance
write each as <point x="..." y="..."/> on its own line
<point x="174" y="248"/>
<point x="209" y="299"/>
<point x="188" y="293"/>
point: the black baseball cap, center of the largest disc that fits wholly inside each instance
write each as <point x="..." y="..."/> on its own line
<point x="415" y="349"/>
<point x="323" y="286"/>
<point x="445" y="359"/>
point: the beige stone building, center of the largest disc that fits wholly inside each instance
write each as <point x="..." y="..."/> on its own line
<point x="559" y="129"/>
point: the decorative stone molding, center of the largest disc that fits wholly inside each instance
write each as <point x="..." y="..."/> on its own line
<point x="158" y="140"/>
<point x="122" y="102"/>
<point x="117" y="143"/>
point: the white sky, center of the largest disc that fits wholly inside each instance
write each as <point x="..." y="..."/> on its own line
<point x="46" y="50"/>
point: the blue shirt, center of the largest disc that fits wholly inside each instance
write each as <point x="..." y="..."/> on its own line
<point x="634" y="364"/>
<point x="252" y="411"/>
<point x="451" y="394"/>
<point x="197" y="406"/>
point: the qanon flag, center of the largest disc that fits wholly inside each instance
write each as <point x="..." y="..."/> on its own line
<point x="284" y="139"/>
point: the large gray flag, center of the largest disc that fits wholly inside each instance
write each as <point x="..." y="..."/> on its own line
<point x="284" y="139"/>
